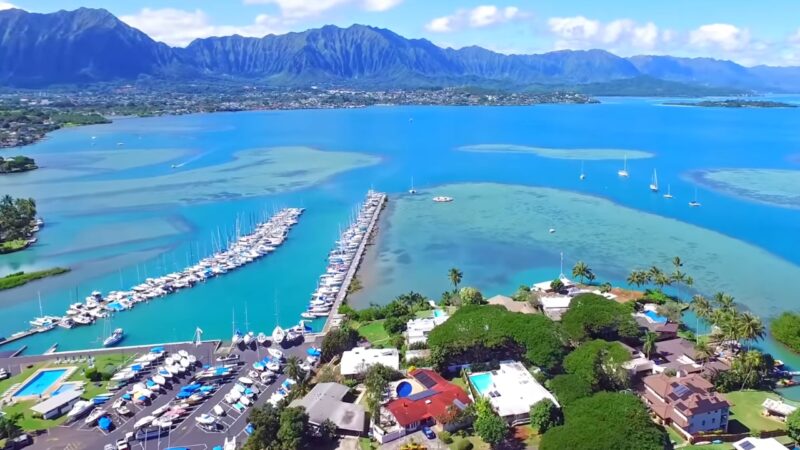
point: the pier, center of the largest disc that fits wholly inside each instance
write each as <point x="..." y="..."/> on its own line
<point x="353" y="269"/>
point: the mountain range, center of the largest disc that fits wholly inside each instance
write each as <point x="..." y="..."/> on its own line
<point x="92" y="45"/>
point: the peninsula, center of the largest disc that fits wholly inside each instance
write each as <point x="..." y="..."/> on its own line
<point x="735" y="104"/>
<point x="17" y="164"/>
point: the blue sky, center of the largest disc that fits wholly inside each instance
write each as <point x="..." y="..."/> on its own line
<point x="764" y="32"/>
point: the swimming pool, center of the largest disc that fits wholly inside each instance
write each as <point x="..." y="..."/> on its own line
<point x="438" y="313"/>
<point x="482" y="382"/>
<point x="40" y="382"/>
<point x="655" y="317"/>
<point x="65" y="387"/>
<point x="404" y="389"/>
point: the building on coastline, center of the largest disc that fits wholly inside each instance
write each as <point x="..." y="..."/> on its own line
<point x="57" y="405"/>
<point x="327" y="402"/>
<point x="511" y="390"/>
<point x="356" y="361"/>
<point x="417" y="330"/>
<point x="752" y="443"/>
<point x="431" y="401"/>
<point x="687" y="403"/>
<point x="511" y="305"/>
<point x="680" y="356"/>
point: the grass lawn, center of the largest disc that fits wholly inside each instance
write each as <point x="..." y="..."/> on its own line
<point x="28" y="422"/>
<point x="424" y="314"/>
<point x="747" y="410"/>
<point x="12" y="246"/>
<point x="374" y="332"/>
<point x="366" y="444"/>
<point x="477" y="443"/>
<point x="19" y="278"/>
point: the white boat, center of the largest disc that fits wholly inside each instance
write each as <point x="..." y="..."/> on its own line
<point x="275" y="353"/>
<point x="261" y="339"/>
<point x="218" y="410"/>
<point x="161" y="410"/>
<point x="551" y="230"/>
<point x="160" y="380"/>
<point x="654" y="182"/>
<point x="245" y="401"/>
<point x="278" y="335"/>
<point x="245" y="381"/>
<point x="94" y="416"/>
<point x="229" y="445"/>
<point x="442" y="199"/>
<point x="668" y="195"/>
<point x="248" y="338"/>
<point x="205" y="419"/>
<point x="694" y="203"/>
<point x="183" y="353"/>
<point x="308" y="315"/>
<point x="624" y="171"/>
<point x="583" y="175"/>
<point x="115" y="338"/>
<point x="80" y="408"/>
<point x="143" y="422"/>
<point x="412" y="191"/>
<point x="236" y="338"/>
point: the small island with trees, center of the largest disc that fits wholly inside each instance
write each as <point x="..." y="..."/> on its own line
<point x="18" y="223"/>
<point x="17" y="164"/>
<point x="735" y="103"/>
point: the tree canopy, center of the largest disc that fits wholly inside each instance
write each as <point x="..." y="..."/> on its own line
<point x="16" y="217"/>
<point x="276" y="429"/>
<point x="570" y="387"/>
<point x="488" y="425"/>
<point x="593" y="316"/>
<point x="545" y="415"/>
<point x="338" y="341"/>
<point x="786" y="329"/>
<point x="600" y="364"/>
<point x="793" y="425"/>
<point x="605" y="420"/>
<point x="485" y="333"/>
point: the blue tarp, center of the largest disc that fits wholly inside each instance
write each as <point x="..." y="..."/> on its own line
<point x="150" y="383"/>
<point x="191" y="387"/>
<point x="314" y="351"/>
<point x="104" y="423"/>
<point x="142" y="398"/>
<point x="157" y="350"/>
<point x="207" y="389"/>
<point x="99" y="400"/>
<point x="258" y="365"/>
<point x="126" y="396"/>
<point x="136" y="367"/>
<point x="183" y="394"/>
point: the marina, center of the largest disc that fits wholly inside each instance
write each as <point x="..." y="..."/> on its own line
<point x="265" y="239"/>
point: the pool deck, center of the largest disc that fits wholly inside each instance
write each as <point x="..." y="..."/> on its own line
<point x="68" y="371"/>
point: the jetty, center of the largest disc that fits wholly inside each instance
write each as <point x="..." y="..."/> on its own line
<point x="374" y="207"/>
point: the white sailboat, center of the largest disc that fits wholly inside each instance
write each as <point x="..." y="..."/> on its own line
<point x="668" y="195"/>
<point x="583" y="175"/>
<point x="412" y="191"/>
<point x="624" y="171"/>
<point x="654" y="182"/>
<point x="694" y="203"/>
<point x="237" y="335"/>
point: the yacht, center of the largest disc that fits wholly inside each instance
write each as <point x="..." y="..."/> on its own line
<point x="80" y="408"/>
<point x="694" y="203"/>
<point x="654" y="182"/>
<point x="247" y="338"/>
<point x="278" y="335"/>
<point x="115" y="338"/>
<point x="442" y="199"/>
<point x="412" y="191"/>
<point x="624" y="171"/>
<point x="668" y="195"/>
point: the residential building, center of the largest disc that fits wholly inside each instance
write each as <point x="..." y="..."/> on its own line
<point x="512" y="390"/>
<point x="751" y="443"/>
<point x="417" y="329"/>
<point x="680" y="356"/>
<point x="327" y="402"/>
<point x="358" y="360"/>
<point x="437" y="403"/>
<point x="687" y="403"/>
<point x="511" y="305"/>
<point x="663" y="330"/>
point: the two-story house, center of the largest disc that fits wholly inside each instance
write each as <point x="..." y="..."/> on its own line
<point x="687" y="403"/>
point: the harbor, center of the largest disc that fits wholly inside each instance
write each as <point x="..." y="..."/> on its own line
<point x="242" y="250"/>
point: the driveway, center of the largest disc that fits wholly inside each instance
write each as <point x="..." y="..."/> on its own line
<point x="419" y="438"/>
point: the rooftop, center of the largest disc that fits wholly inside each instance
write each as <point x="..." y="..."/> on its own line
<point x="358" y="360"/>
<point x="324" y="402"/>
<point x="513" y="390"/>
<point x="434" y="402"/>
<point x="56" y="401"/>
<point x="688" y="395"/>
<point x="751" y="443"/>
<point x="511" y="305"/>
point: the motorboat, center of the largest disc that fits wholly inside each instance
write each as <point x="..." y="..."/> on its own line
<point x="143" y="422"/>
<point x="275" y="353"/>
<point x="278" y="335"/>
<point x="80" y="408"/>
<point x="218" y="410"/>
<point x="205" y="419"/>
<point x="248" y="338"/>
<point x="236" y="338"/>
<point x="245" y="381"/>
<point x="145" y="434"/>
<point x="624" y="171"/>
<point x="115" y="338"/>
<point x="442" y="199"/>
<point x="94" y="416"/>
<point x="261" y="339"/>
<point x="159" y="379"/>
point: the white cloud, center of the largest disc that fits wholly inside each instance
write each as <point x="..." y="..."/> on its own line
<point x="722" y="36"/>
<point x="478" y="17"/>
<point x="180" y="27"/>
<point x="299" y="9"/>
<point x="579" y="32"/>
<point x="5" y="5"/>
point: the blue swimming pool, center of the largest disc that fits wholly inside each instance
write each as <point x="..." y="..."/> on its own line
<point x="438" y="313"/>
<point x="655" y="317"/>
<point x="40" y="383"/>
<point x="404" y="389"/>
<point x="482" y="382"/>
<point x="65" y="387"/>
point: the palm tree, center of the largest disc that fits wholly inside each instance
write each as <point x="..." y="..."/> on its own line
<point x="723" y="301"/>
<point x="703" y="351"/>
<point x="701" y="308"/>
<point x="676" y="261"/>
<point x="749" y="327"/>
<point x="581" y="270"/>
<point x="649" y="343"/>
<point x="638" y="278"/>
<point x="293" y="369"/>
<point x="455" y="277"/>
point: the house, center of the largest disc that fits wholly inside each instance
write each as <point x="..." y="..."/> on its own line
<point x="751" y="443"/>
<point x="326" y="402"/>
<point x="554" y="306"/>
<point x="680" y="355"/>
<point x="512" y="390"/>
<point x="57" y="405"/>
<point x="663" y="330"/>
<point x="639" y="363"/>
<point x="511" y="305"/>
<point x="435" y="404"/>
<point x="358" y="360"/>
<point x="687" y="403"/>
<point x="417" y="329"/>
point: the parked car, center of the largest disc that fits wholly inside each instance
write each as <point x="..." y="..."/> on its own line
<point x="428" y="433"/>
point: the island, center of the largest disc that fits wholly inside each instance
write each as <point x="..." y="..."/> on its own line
<point x="734" y="104"/>
<point x="19" y="278"/>
<point x="18" y="223"/>
<point x="17" y="164"/>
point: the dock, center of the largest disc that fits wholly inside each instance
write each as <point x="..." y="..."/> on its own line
<point x="353" y="269"/>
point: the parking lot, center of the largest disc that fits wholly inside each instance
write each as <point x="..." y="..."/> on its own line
<point x="185" y="432"/>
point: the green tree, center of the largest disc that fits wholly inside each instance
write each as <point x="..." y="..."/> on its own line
<point x="703" y="351"/>
<point x="338" y="341"/>
<point x="723" y="301"/>
<point x="606" y="287"/>
<point x="570" y="387"/>
<point x="327" y="431"/>
<point x="293" y="369"/>
<point x="649" y="343"/>
<point x="671" y="310"/>
<point x="750" y="327"/>
<point x="455" y="276"/>
<point x="545" y="415"/>
<point x="701" y="308"/>
<point x="581" y="270"/>
<point x="793" y="425"/>
<point x="594" y="316"/>
<point x="638" y="278"/>
<point x="293" y="430"/>
<point x="488" y="425"/>
<point x="376" y="381"/>
<point x="601" y="364"/>
<point x="786" y="330"/>
<point x="557" y="285"/>
<point x="470" y="296"/>
<point x="9" y="426"/>
<point x="266" y="422"/>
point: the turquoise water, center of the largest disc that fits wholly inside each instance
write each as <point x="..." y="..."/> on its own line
<point x="41" y="382"/>
<point x="116" y="215"/>
<point x="655" y="317"/>
<point x="482" y="382"/>
<point x="438" y="313"/>
<point x="64" y="387"/>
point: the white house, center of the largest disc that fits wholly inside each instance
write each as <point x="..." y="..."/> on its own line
<point x="511" y="390"/>
<point x="417" y="329"/>
<point x="358" y="360"/>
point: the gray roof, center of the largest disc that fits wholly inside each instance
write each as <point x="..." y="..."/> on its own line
<point x="57" y="401"/>
<point x="324" y="402"/>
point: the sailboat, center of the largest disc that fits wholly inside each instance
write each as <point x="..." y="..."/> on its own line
<point x="115" y="338"/>
<point x="624" y="171"/>
<point x="694" y="203"/>
<point x="668" y="195"/>
<point x="583" y="175"/>
<point x="654" y="182"/>
<point x="237" y="335"/>
<point x="278" y="334"/>
<point x="248" y="335"/>
<point x="412" y="191"/>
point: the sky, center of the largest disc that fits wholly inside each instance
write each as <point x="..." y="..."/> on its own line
<point x="748" y="32"/>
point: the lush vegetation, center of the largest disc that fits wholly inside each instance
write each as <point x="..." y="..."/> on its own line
<point x="793" y="425"/>
<point x="738" y="103"/>
<point x="17" y="164"/>
<point x="19" y="278"/>
<point x="488" y="425"/>
<point x="750" y="370"/>
<point x="661" y="278"/>
<point x="600" y="364"/>
<point x="570" y="387"/>
<point x="605" y="420"/>
<point x="376" y="381"/>
<point x="394" y="314"/>
<point x="592" y="316"/>
<point x="730" y="325"/>
<point x="545" y="415"/>
<point x="482" y="333"/>
<point x="16" y="218"/>
<point x="285" y="429"/>
<point x="786" y="330"/>
<point x="338" y="341"/>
